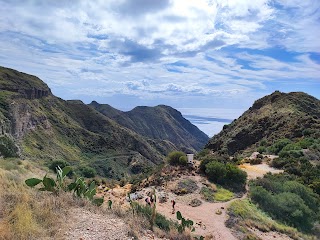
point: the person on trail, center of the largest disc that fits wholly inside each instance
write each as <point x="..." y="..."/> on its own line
<point x="148" y="201"/>
<point x="173" y="202"/>
<point x="152" y="200"/>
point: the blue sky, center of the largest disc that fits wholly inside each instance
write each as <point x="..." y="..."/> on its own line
<point x="211" y="59"/>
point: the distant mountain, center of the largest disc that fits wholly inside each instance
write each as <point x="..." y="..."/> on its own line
<point x="293" y="116"/>
<point x="160" y="123"/>
<point x="37" y="125"/>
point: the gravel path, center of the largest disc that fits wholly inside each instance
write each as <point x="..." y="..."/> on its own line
<point x="86" y="225"/>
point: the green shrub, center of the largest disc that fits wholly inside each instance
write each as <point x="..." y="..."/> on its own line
<point x="235" y="177"/>
<point x="291" y="153"/>
<point x="279" y="145"/>
<point x="261" y="149"/>
<point x="88" y="172"/>
<point x="174" y="158"/>
<point x="216" y="171"/>
<point x="306" y="142"/>
<point x="183" y="160"/>
<point x="249" y="215"/>
<point x="205" y="161"/>
<point x="207" y="193"/>
<point x="286" y="200"/>
<point x="228" y="175"/>
<point x="223" y="195"/>
<point x="160" y="221"/>
<point x="8" y="147"/>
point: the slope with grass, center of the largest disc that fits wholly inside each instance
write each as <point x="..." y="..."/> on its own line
<point x="37" y="125"/>
<point x="159" y="123"/>
<point x="293" y="116"/>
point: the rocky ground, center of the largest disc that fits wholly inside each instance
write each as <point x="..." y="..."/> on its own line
<point x="209" y="217"/>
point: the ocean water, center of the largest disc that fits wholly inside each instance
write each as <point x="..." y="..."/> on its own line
<point x="210" y="120"/>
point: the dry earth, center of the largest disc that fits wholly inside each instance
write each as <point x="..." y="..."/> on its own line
<point x="87" y="225"/>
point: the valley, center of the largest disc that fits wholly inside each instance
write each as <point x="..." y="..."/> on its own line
<point x="98" y="166"/>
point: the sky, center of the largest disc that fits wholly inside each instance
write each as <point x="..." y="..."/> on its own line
<point x="209" y="59"/>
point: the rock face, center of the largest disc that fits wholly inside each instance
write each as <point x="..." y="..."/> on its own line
<point x="159" y="123"/>
<point x="279" y="115"/>
<point x="23" y="119"/>
<point x="25" y="85"/>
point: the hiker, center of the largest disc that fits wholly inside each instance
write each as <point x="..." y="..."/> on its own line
<point x="148" y="201"/>
<point x="152" y="200"/>
<point x="173" y="202"/>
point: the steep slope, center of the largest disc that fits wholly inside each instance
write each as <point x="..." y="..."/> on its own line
<point x="279" y="115"/>
<point x="37" y="125"/>
<point x="159" y="123"/>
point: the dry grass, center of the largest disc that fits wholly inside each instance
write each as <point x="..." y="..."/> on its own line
<point x="27" y="213"/>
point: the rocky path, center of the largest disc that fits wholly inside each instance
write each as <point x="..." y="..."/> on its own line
<point x="86" y="225"/>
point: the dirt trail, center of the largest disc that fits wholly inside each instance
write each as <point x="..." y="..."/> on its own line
<point x="205" y="213"/>
<point x="87" y="225"/>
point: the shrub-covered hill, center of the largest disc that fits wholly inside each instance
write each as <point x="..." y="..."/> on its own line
<point x="294" y="116"/>
<point x="37" y="125"/>
<point x="160" y="122"/>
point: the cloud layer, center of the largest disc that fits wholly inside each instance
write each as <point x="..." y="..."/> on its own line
<point x="176" y="52"/>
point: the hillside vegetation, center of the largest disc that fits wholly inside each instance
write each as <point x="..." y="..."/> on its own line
<point x="160" y="122"/>
<point x="35" y="124"/>
<point x="293" y="116"/>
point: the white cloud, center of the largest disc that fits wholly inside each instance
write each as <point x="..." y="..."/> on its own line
<point x="104" y="48"/>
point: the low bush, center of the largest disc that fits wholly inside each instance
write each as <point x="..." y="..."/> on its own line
<point x="286" y="200"/>
<point x="88" y="172"/>
<point x="255" y="161"/>
<point x="216" y="171"/>
<point x="186" y="186"/>
<point x="177" y="158"/>
<point x="207" y="194"/>
<point x="8" y="147"/>
<point x="279" y="145"/>
<point x="160" y="221"/>
<point x="249" y="215"/>
<point x="228" y="175"/>
<point x="261" y="149"/>
<point x="223" y="195"/>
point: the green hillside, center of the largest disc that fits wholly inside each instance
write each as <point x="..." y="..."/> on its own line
<point x="160" y="122"/>
<point x="34" y="124"/>
<point x="294" y="116"/>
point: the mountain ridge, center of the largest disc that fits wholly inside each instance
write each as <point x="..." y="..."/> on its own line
<point x="160" y="122"/>
<point x="37" y="125"/>
<point x="275" y="116"/>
